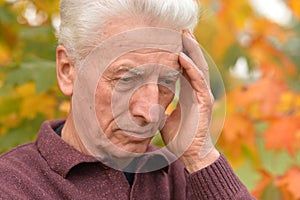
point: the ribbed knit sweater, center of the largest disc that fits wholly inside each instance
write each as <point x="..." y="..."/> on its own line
<point x="49" y="168"/>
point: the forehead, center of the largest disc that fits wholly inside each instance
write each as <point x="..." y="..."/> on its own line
<point x="140" y="57"/>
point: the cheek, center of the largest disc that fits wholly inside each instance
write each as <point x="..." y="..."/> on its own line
<point x="165" y="98"/>
<point x="103" y="105"/>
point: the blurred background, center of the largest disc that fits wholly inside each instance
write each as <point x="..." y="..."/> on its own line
<point x="255" y="45"/>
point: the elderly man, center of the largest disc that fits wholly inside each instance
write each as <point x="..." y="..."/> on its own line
<point x="123" y="62"/>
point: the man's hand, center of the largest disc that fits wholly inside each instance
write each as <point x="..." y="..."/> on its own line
<point x="186" y="131"/>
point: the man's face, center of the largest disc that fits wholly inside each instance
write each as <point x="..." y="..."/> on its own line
<point x="132" y="95"/>
<point x="124" y="87"/>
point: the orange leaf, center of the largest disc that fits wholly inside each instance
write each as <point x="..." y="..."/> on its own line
<point x="260" y="99"/>
<point x="238" y="132"/>
<point x="289" y="183"/>
<point x="267" y="92"/>
<point x="267" y="54"/>
<point x="262" y="184"/>
<point x="235" y="127"/>
<point x="283" y="134"/>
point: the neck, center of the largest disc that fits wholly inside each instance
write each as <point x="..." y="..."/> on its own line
<point x="70" y="135"/>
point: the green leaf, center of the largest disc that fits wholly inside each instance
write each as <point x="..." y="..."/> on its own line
<point x="6" y="16"/>
<point x="157" y="140"/>
<point x="232" y="54"/>
<point x="39" y="42"/>
<point x="271" y="192"/>
<point x="275" y="162"/>
<point x="248" y="175"/>
<point x="26" y="132"/>
<point x="8" y="106"/>
<point x="41" y="71"/>
<point x="5" y="91"/>
<point x="297" y="158"/>
<point x="260" y="127"/>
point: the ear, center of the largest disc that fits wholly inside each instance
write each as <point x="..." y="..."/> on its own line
<point x="65" y="71"/>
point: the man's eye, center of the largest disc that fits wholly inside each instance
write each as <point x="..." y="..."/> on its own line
<point x="167" y="81"/>
<point x="167" y="85"/>
<point x="126" y="83"/>
<point x="126" y="79"/>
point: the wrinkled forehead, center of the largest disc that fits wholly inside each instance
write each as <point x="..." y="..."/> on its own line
<point x="136" y="40"/>
<point x="142" y="57"/>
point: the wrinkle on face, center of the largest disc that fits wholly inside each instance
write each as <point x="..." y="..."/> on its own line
<point x="109" y="80"/>
<point x="113" y="101"/>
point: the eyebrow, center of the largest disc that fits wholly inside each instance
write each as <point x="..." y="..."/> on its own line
<point x="173" y="73"/>
<point x="139" y="72"/>
<point x="129" y="69"/>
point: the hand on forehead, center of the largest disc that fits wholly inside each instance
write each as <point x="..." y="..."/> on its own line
<point x="144" y="56"/>
<point x="138" y="51"/>
<point x="150" y="64"/>
<point x="102" y="57"/>
<point x="132" y="43"/>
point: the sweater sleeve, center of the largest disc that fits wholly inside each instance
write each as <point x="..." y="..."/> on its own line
<point x="217" y="181"/>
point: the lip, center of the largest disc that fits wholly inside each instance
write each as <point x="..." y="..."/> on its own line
<point x="138" y="135"/>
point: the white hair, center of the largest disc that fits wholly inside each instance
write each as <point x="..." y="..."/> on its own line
<point x="82" y="21"/>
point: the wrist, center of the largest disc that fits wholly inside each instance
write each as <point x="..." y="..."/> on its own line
<point x="195" y="163"/>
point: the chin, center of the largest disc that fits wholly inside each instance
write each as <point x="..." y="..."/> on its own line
<point x="119" y="157"/>
<point x="129" y="151"/>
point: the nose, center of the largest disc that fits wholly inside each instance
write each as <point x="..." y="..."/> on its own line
<point x="144" y="105"/>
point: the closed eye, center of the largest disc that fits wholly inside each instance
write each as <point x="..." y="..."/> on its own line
<point x="126" y="79"/>
<point x="127" y="82"/>
<point x="167" y="81"/>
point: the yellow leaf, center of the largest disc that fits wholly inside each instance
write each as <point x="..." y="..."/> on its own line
<point x="295" y="7"/>
<point x="5" y="55"/>
<point x="10" y="121"/>
<point x="26" y="90"/>
<point x="287" y="102"/>
<point x="64" y="107"/>
<point x="297" y="105"/>
<point x="33" y="104"/>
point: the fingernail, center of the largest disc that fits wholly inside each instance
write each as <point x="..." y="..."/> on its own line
<point x="189" y="34"/>
<point x="192" y="35"/>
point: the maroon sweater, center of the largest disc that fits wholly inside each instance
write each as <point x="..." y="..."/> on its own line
<point x="52" y="169"/>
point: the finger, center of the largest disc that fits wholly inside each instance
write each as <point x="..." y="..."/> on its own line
<point x="193" y="50"/>
<point x="196" y="79"/>
<point x="195" y="76"/>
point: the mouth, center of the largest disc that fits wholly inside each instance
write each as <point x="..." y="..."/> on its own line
<point x="140" y="134"/>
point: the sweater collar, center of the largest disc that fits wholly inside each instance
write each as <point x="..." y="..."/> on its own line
<point x="61" y="157"/>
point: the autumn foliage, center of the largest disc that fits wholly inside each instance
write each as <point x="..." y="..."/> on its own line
<point x="261" y="133"/>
